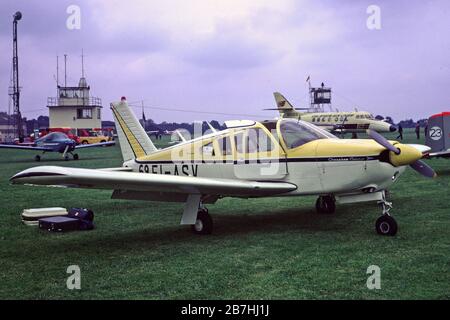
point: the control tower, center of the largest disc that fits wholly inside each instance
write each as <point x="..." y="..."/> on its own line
<point x="320" y="98"/>
<point x="75" y="108"/>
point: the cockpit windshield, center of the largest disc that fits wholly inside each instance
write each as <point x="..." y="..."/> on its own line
<point x="54" y="136"/>
<point x="296" y="133"/>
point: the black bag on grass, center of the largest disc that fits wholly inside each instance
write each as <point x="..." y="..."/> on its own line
<point x="81" y="214"/>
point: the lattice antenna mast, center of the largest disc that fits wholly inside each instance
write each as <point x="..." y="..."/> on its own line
<point x="16" y="88"/>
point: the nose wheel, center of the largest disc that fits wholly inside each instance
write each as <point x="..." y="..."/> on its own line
<point x="204" y="223"/>
<point x="386" y="224"/>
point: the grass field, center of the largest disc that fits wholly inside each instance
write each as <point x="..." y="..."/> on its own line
<point x="266" y="248"/>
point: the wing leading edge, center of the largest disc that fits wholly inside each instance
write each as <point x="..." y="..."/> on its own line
<point x="133" y="181"/>
<point x="93" y="145"/>
<point x="12" y="146"/>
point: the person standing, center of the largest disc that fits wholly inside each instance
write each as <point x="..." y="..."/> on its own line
<point x="400" y="132"/>
<point x="418" y="130"/>
<point x="426" y="129"/>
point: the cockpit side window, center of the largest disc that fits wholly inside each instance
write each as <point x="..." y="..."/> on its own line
<point x="258" y="141"/>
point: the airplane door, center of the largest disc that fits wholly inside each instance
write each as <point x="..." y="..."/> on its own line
<point x="258" y="156"/>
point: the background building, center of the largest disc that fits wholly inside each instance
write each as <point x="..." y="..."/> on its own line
<point x="75" y="108"/>
<point x="7" y="130"/>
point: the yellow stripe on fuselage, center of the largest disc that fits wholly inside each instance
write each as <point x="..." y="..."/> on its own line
<point x="134" y="143"/>
<point x="336" y="148"/>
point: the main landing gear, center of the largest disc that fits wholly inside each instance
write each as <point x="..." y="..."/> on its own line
<point x="204" y="223"/>
<point x="74" y="155"/>
<point x="326" y="204"/>
<point x="386" y="224"/>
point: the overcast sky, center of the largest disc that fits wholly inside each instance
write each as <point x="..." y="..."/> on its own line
<point x="229" y="56"/>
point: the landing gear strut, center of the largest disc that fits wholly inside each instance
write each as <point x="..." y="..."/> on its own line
<point x="386" y="224"/>
<point x="204" y="223"/>
<point x="326" y="204"/>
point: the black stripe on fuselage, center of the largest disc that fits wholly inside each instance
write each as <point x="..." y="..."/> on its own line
<point x="34" y="174"/>
<point x="263" y="161"/>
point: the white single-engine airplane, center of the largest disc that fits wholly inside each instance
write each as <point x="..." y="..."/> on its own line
<point x="249" y="159"/>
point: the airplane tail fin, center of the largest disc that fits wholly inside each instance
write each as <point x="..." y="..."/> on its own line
<point x="283" y="105"/>
<point x="134" y="141"/>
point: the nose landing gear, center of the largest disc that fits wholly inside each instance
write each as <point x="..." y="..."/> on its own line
<point x="386" y="224"/>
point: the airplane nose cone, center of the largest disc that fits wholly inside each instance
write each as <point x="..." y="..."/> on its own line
<point x="408" y="155"/>
<point x="392" y="128"/>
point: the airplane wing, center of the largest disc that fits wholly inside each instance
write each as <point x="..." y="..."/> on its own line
<point x="143" y="182"/>
<point x="14" y="146"/>
<point x="101" y="144"/>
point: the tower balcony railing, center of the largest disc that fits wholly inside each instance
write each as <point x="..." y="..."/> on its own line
<point x="74" y="101"/>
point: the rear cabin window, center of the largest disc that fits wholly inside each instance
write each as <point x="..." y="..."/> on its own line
<point x="208" y="150"/>
<point x="238" y="140"/>
<point x="225" y="146"/>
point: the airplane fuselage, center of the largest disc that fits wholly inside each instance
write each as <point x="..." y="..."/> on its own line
<point x="318" y="176"/>
<point x="351" y="122"/>
<point x="322" y="166"/>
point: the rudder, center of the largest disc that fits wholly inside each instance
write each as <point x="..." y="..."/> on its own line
<point x="284" y="106"/>
<point x="134" y="141"/>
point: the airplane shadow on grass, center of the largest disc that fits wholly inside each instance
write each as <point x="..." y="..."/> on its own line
<point x="226" y="227"/>
<point x="445" y="172"/>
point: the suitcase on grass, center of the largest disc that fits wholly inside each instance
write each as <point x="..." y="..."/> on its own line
<point x="59" y="224"/>
<point x="31" y="216"/>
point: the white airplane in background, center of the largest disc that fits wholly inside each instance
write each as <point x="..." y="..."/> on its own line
<point x="343" y="122"/>
<point x="249" y="159"/>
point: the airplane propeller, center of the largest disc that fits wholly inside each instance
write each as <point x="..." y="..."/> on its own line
<point x="382" y="141"/>
<point x="418" y="165"/>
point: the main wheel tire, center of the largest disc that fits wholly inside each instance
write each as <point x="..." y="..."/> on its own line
<point x="84" y="142"/>
<point x="386" y="225"/>
<point x="37" y="158"/>
<point x="75" y="156"/>
<point x="66" y="157"/>
<point x="204" y="223"/>
<point x="326" y="204"/>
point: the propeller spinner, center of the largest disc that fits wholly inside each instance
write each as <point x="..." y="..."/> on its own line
<point x="410" y="155"/>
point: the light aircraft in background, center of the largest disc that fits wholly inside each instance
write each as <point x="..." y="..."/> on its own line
<point x="55" y="142"/>
<point x="342" y="122"/>
<point x="249" y="159"/>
